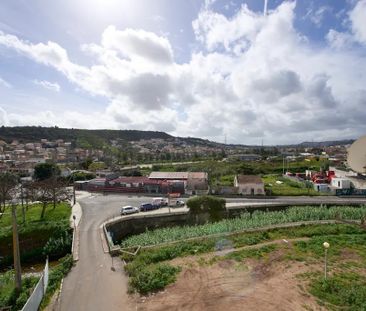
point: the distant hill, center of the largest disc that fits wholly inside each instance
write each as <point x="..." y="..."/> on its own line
<point x="36" y="133"/>
<point x="100" y="138"/>
<point x="315" y="144"/>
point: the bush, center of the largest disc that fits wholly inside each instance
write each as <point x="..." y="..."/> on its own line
<point x="58" y="244"/>
<point x="207" y="204"/>
<point x="153" y="278"/>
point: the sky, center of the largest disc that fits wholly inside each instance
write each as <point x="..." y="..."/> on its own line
<point x="201" y="68"/>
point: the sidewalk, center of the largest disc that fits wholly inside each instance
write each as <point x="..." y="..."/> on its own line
<point x="74" y="223"/>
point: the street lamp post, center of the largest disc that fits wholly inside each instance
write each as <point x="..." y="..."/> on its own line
<point x="326" y="246"/>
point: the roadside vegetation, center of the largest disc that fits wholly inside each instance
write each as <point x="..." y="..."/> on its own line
<point x="57" y="273"/>
<point x="152" y="270"/>
<point x="247" y="220"/>
<point x="38" y="238"/>
<point x="8" y="296"/>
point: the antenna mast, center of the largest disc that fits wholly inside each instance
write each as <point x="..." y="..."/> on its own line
<point x="265" y="7"/>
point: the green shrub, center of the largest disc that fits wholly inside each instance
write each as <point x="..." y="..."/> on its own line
<point x="58" y="244"/>
<point x="212" y="205"/>
<point x="153" y="278"/>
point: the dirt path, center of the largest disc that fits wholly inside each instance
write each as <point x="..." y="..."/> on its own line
<point x="264" y="285"/>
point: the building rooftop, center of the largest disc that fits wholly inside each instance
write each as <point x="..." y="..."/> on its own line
<point x="168" y="175"/>
<point x="178" y="175"/>
<point x="245" y="179"/>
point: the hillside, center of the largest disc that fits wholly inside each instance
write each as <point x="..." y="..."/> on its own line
<point x="99" y="138"/>
<point x="33" y="133"/>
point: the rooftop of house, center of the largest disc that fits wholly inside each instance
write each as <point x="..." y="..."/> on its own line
<point x="178" y="175"/>
<point x="249" y="179"/>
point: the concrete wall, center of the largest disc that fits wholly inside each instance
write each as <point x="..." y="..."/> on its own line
<point x="135" y="224"/>
<point x="341" y="183"/>
<point x="246" y="189"/>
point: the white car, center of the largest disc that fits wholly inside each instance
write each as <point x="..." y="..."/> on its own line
<point x="180" y="203"/>
<point x="129" y="210"/>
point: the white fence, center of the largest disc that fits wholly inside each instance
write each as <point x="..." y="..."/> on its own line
<point x="39" y="291"/>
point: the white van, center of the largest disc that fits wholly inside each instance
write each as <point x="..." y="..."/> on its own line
<point x="160" y="201"/>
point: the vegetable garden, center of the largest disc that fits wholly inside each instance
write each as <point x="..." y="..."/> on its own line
<point x="257" y="219"/>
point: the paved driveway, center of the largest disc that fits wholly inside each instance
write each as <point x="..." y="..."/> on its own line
<point x="91" y="284"/>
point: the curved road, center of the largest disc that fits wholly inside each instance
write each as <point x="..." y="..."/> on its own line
<point x="92" y="284"/>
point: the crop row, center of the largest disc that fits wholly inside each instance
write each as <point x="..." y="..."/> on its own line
<point x="257" y="219"/>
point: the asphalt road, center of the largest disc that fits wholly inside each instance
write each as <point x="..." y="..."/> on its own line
<point x="91" y="284"/>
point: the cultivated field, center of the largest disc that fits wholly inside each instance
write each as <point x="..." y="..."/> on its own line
<point x="279" y="269"/>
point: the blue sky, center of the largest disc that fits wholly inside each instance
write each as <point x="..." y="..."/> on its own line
<point x="188" y="67"/>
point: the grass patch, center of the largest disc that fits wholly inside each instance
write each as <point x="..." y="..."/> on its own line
<point x="313" y="250"/>
<point x="287" y="187"/>
<point x="37" y="238"/>
<point x="256" y="253"/>
<point x="33" y="214"/>
<point x="343" y="290"/>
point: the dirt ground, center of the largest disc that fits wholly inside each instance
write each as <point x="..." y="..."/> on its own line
<point x="227" y="285"/>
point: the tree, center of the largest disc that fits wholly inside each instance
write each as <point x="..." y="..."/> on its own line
<point x="95" y="166"/>
<point x="8" y="183"/>
<point x="86" y="163"/>
<point x="52" y="191"/>
<point x="58" y="191"/>
<point x="207" y="204"/>
<point x="308" y="185"/>
<point x="43" y="171"/>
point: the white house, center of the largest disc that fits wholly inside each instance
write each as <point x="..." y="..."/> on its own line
<point x="341" y="183"/>
<point x="249" y="185"/>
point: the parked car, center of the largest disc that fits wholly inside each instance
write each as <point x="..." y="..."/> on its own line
<point x="180" y="203"/>
<point x="160" y="202"/>
<point x="129" y="210"/>
<point x="147" y="207"/>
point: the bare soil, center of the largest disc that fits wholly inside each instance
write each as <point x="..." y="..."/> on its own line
<point x="267" y="284"/>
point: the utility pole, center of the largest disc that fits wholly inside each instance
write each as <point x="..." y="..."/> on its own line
<point x="21" y="194"/>
<point x="326" y="246"/>
<point x="16" y="253"/>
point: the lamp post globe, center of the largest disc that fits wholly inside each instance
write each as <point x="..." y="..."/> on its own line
<point x="326" y="245"/>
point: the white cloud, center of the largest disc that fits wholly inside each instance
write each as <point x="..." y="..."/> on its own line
<point x="215" y="29"/>
<point x="316" y="16"/>
<point x="48" y="85"/>
<point x="339" y="40"/>
<point x="256" y="77"/>
<point x="4" y="83"/>
<point x="358" y="18"/>
<point x="138" y="43"/>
